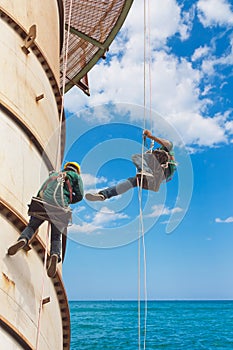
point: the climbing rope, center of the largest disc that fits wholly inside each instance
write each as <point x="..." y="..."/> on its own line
<point x="141" y="238"/>
<point x="43" y="285"/>
<point x="64" y="69"/>
<point x="141" y="233"/>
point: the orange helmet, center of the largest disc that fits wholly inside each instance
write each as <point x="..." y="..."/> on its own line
<point x="73" y="166"/>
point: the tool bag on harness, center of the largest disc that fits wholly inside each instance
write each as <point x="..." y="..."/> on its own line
<point x="54" y="213"/>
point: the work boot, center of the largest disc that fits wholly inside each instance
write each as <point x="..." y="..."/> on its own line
<point x="52" y="268"/>
<point x="93" y="197"/>
<point x="20" y="244"/>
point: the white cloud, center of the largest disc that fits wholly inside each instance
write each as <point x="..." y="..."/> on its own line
<point x="78" y="209"/>
<point x="102" y="218"/>
<point x="90" y="180"/>
<point x="215" y="12"/>
<point x="200" y="52"/>
<point x="224" y="221"/>
<point x="106" y="215"/>
<point x="210" y="64"/>
<point x="198" y="130"/>
<point x="160" y="209"/>
<point x="229" y="127"/>
<point x="163" y="21"/>
<point x="122" y="79"/>
<point x="84" y="228"/>
<point x="187" y="23"/>
<point x="176" y="92"/>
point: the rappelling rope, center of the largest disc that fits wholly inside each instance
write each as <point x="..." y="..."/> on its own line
<point x="149" y="66"/>
<point x="58" y="164"/>
<point x="64" y="69"/>
<point x="141" y="233"/>
<point x="141" y="238"/>
<point x="140" y="226"/>
<point x="43" y="285"/>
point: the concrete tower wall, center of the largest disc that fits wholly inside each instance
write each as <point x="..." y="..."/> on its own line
<point x="30" y="105"/>
<point x="45" y="15"/>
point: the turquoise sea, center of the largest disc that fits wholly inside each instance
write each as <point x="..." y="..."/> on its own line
<point x="171" y="325"/>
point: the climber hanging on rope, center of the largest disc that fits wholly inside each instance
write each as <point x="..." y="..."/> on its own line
<point x="156" y="165"/>
<point x="57" y="192"/>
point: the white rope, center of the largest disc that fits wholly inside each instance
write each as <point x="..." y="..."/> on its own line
<point x="64" y="65"/>
<point x="141" y="238"/>
<point x="140" y="195"/>
<point x="43" y="284"/>
<point x="149" y="64"/>
<point x="141" y="234"/>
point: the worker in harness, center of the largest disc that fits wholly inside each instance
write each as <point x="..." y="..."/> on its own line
<point x="156" y="166"/>
<point x="59" y="190"/>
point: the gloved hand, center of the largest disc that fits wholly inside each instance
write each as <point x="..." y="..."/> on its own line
<point x="147" y="133"/>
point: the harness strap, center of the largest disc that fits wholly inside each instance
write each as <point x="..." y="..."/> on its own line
<point x="53" y="178"/>
<point x="70" y="189"/>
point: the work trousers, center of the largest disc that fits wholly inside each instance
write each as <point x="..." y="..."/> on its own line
<point x="56" y="235"/>
<point x="131" y="182"/>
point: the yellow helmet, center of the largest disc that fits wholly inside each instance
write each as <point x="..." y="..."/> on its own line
<point x="73" y="166"/>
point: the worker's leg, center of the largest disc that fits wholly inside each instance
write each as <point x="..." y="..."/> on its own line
<point x="55" y="249"/>
<point x="56" y="237"/>
<point x="120" y="188"/>
<point x="112" y="191"/>
<point x="31" y="228"/>
<point x="26" y="235"/>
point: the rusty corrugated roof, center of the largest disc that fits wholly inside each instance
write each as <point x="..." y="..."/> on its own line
<point x="94" y="24"/>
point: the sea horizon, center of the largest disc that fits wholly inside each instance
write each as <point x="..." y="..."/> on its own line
<point x="156" y="324"/>
<point x="144" y="300"/>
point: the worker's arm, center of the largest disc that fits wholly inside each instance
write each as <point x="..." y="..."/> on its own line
<point x="77" y="186"/>
<point x="163" y="142"/>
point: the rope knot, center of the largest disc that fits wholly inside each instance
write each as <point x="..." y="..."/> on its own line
<point x="61" y="179"/>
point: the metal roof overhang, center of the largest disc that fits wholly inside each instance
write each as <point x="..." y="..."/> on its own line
<point x="93" y="26"/>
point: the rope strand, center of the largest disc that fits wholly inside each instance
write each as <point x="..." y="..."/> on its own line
<point x="43" y="284"/>
<point x="141" y="236"/>
<point x="64" y="64"/>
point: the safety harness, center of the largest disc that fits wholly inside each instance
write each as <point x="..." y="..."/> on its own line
<point x="168" y="164"/>
<point x="61" y="179"/>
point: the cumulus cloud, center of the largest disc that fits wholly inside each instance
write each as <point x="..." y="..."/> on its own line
<point x="229" y="127"/>
<point x="91" y="181"/>
<point x="163" y="20"/>
<point x="100" y="220"/>
<point x="179" y="94"/>
<point x="198" y="130"/>
<point x="224" y="221"/>
<point x="200" y="52"/>
<point x="215" y="12"/>
<point x="210" y="64"/>
<point x="160" y="209"/>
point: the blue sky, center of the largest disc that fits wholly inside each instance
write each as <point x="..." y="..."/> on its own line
<point x="188" y="99"/>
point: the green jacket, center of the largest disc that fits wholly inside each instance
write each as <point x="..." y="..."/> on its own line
<point x="58" y="193"/>
<point x="169" y="171"/>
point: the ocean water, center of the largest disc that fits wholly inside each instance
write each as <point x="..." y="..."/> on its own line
<point x="171" y="325"/>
